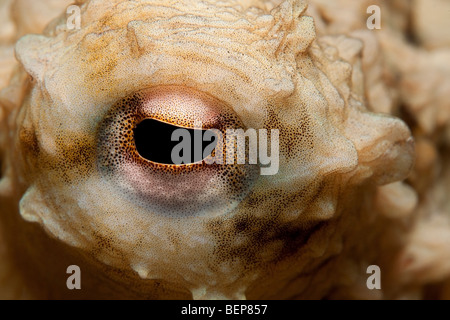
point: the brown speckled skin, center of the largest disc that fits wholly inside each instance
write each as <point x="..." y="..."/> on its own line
<point x="336" y="206"/>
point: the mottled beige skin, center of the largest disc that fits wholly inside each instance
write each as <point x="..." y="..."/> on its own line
<point x="310" y="231"/>
<point x="415" y="85"/>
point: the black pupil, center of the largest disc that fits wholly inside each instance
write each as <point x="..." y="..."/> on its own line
<point x="153" y="140"/>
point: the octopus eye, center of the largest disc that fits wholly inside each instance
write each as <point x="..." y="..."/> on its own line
<point x="136" y="153"/>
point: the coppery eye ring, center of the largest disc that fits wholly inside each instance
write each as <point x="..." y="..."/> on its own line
<point x="158" y="142"/>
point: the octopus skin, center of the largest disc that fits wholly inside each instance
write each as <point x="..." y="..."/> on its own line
<point x="352" y="189"/>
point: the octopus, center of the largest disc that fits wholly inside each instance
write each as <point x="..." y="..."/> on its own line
<point x="364" y="133"/>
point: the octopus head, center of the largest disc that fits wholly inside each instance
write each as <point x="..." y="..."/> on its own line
<point x="221" y="230"/>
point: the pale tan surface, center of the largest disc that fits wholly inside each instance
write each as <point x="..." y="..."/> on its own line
<point x="311" y="231"/>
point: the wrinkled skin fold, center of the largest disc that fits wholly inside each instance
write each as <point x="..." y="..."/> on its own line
<point x="73" y="190"/>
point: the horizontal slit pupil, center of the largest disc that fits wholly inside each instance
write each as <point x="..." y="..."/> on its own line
<point x="153" y="141"/>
